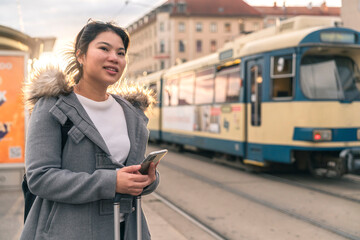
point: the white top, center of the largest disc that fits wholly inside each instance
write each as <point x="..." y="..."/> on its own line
<point x="109" y="119"/>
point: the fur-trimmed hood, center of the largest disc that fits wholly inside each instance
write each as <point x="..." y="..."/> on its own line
<point x="52" y="82"/>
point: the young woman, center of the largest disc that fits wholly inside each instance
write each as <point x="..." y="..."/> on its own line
<point x="76" y="182"/>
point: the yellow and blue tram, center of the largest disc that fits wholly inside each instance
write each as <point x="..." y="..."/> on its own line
<point x="289" y="94"/>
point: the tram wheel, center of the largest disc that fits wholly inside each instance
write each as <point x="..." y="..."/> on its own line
<point x="326" y="167"/>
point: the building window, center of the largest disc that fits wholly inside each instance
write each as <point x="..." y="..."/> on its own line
<point x="256" y="26"/>
<point x="198" y="46"/>
<point x="199" y="27"/>
<point x="227" y="27"/>
<point x="162" y="46"/>
<point x="213" y="27"/>
<point x="162" y="65"/>
<point x="181" y="27"/>
<point x="241" y="26"/>
<point x="181" y="7"/>
<point x="162" y="27"/>
<point x="181" y="46"/>
<point x="213" y="46"/>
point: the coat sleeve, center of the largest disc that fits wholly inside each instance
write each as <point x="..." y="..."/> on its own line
<point x="149" y="189"/>
<point x="45" y="177"/>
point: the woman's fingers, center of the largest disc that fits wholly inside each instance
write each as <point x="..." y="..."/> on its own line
<point x="152" y="173"/>
<point x="131" y="169"/>
<point x="129" y="183"/>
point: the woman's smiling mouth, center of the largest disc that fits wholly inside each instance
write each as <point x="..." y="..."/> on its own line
<point x="112" y="69"/>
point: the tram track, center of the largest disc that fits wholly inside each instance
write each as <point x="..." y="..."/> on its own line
<point x="193" y="219"/>
<point x="309" y="187"/>
<point x="261" y="201"/>
<point x="355" y="180"/>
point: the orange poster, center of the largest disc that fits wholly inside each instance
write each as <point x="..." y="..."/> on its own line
<point x="12" y="116"/>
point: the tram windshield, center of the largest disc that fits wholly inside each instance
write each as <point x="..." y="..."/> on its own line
<point x="330" y="77"/>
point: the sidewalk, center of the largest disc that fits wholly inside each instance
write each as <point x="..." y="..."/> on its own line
<point x="11" y="217"/>
<point x="164" y="223"/>
<point x="160" y="228"/>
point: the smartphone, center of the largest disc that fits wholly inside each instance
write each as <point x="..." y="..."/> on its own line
<point x="154" y="157"/>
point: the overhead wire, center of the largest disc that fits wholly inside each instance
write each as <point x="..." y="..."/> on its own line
<point x="21" y="22"/>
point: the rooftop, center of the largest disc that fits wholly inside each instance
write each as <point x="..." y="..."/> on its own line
<point x="323" y="10"/>
<point x="212" y="8"/>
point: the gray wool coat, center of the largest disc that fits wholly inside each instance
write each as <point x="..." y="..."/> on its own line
<point x="75" y="186"/>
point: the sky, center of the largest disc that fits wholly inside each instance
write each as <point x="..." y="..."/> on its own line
<point x="63" y="19"/>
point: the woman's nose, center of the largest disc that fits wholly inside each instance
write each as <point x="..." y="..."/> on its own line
<point x="113" y="56"/>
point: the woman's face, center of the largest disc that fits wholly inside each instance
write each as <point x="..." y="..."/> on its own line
<point x="104" y="62"/>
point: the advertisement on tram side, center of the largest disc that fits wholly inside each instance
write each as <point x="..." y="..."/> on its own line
<point x="12" y="114"/>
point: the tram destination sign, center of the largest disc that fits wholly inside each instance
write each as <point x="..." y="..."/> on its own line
<point x="338" y="37"/>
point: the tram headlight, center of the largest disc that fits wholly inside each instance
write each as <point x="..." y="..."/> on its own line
<point x="322" y="135"/>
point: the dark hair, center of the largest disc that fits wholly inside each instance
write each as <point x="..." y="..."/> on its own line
<point x="87" y="34"/>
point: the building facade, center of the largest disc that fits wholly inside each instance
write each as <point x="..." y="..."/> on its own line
<point x="183" y="30"/>
<point x="350" y="13"/>
<point x="278" y="13"/>
<point x="179" y="31"/>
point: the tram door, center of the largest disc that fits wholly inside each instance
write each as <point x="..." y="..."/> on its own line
<point x="254" y="81"/>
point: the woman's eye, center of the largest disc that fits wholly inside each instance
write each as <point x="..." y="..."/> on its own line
<point x="121" y="53"/>
<point x="103" y="48"/>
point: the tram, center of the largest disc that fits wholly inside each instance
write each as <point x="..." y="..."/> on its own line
<point x="285" y="95"/>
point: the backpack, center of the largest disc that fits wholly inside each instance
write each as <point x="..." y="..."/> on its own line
<point x="28" y="196"/>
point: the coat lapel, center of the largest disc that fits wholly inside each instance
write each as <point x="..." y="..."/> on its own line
<point x="73" y="109"/>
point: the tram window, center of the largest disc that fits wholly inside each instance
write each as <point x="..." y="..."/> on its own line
<point x="171" y="92"/>
<point x="220" y="88"/>
<point x="227" y="86"/>
<point x="204" y="87"/>
<point x="255" y="98"/>
<point x="282" y="65"/>
<point x="330" y="77"/>
<point x="282" y="74"/>
<point x="186" y="90"/>
<point x="234" y="84"/>
<point x="282" y="87"/>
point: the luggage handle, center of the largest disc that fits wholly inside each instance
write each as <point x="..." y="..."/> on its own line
<point x="117" y="232"/>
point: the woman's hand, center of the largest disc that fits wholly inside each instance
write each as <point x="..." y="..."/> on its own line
<point x="130" y="181"/>
<point x="152" y="172"/>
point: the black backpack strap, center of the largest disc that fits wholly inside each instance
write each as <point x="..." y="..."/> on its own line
<point x="29" y="198"/>
<point x="64" y="132"/>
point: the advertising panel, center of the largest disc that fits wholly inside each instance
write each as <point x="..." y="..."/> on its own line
<point x="12" y="115"/>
